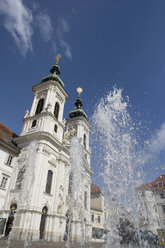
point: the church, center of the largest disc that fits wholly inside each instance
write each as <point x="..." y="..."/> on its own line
<point x="35" y="169"/>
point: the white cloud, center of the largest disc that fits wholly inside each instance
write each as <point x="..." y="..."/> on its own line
<point x="17" y="21"/>
<point x="64" y="28"/>
<point x="54" y="47"/>
<point x="64" y="25"/>
<point x="45" y="26"/>
<point x="67" y="48"/>
<point x="157" y="143"/>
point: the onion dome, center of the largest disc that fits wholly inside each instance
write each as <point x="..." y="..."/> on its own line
<point x="55" y="71"/>
<point x="78" y="111"/>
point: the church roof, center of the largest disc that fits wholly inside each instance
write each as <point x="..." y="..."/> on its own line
<point x="78" y="111"/>
<point x="156" y="185"/>
<point x="95" y="189"/>
<point x="7" y="136"/>
<point x="55" y="71"/>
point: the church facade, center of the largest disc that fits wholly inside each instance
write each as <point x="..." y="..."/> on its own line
<point x="37" y="205"/>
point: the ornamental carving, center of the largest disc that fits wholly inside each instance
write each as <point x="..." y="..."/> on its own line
<point x="53" y="162"/>
<point x="26" y="113"/>
<point x="20" y="177"/>
<point x="71" y="132"/>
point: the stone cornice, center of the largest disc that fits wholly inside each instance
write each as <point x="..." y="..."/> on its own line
<point x="12" y="149"/>
<point x="46" y="136"/>
<point x="43" y="113"/>
<point x="52" y="162"/>
<point x="49" y="83"/>
<point x="80" y="119"/>
<point x="39" y="136"/>
<point x="64" y="157"/>
<point x="96" y="210"/>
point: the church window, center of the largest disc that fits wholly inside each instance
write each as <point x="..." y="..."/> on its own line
<point x="34" y="123"/>
<point x="55" y="128"/>
<point x="39" y="106"/>
<point x="56" y="110"/>
<point x="99" y="219"/>
<point x="3" y="182"/>
<point x="49" y="181"/>
<point x="92" y="218"/>
<point x="85" y="199"/>
<point x="84" y="140"/>
<point x="70" y="183"/>
<point x="43" y="222"/>
<point x="9" y="160"/>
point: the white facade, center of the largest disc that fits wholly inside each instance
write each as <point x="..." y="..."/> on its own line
<point x="40" y="178"/>
<point x="152" y="205"/>
<point x="98" y="216"/>
<point x="79" y="126"/>
<point x="104" y="211"/>
<point x="7" y="161"/>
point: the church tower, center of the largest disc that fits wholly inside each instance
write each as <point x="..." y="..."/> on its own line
<point x="78" y="122"/>
<point x="46" y="113"/>
<point x="39" y="185"/>
<point x="78" y="126"/>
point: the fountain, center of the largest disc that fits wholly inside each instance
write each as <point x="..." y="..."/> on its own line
<point x="76" y="190"/>
<point x="120" y="171"/>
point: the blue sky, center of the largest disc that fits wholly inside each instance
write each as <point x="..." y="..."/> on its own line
<point x="103" y="43"/>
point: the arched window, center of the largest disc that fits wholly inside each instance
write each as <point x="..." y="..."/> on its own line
<point x="55" y="128"/>
<point x="84" y="140"/>
<point x="49" y="181"/>
<point x="56" y="110"/>
<point x="34" y="123"/>
<point x="39" y="106"/>
<point x="43" y="221"/>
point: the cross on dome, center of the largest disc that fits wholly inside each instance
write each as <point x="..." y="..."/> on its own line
<point x="57" y="58"/>
<point x="79" y="90"/>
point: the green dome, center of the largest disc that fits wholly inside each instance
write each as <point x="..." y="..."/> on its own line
<point x="78" y="111"/>
<point x="55" y="71"/>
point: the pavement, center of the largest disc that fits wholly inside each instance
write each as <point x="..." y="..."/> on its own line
<point x="45" y="244"/>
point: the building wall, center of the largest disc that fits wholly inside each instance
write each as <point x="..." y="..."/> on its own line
<point x="160" y="201"/>
<point x="151" y="205"/>
<point x="97" y="202"/>
<point x="98" y="216"/>
<point x="31" y="198"/>
<point x="6" y="171"/>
